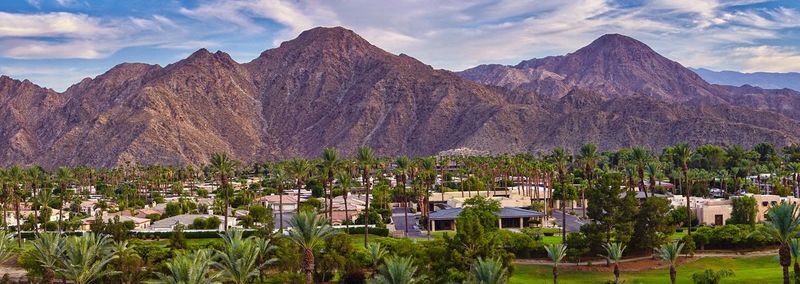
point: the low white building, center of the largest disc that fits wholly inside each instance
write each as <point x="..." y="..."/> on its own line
<point x="168" y="224"/>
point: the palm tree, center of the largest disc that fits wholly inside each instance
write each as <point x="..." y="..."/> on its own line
<point x="366" y="159"/>
<point x="794" y="246"/>
<point x="64" y="177"/>
<point x="238" y="261"/>
<point x="16" y="177"/>
<point x="560" y="160"/>
<point x="5" y="246"/>
<point x="652" y="169"/>
<point x="403" y="164"/>
<point x="710" y="276"/>
<point x="782" y="225"/>
<point x="48" y="250"/>
<point x="640" y="157"/>
<point x="589" y="157"/>
<point x="683" y="153"/>
<point x="86" y="258"/>
<point x="669" y="253"/>
<point x="346" y="182"/>
<point x="280" y="177"/>
<point x="330" y="164"/>
<point x="556" y="253"/>
<point x="300" y="169"/>
<point x="223" y="168"/>
<point x="397" y="270"/>
<point x="614" y="254"/>
<point x="309" y="232"/>
<point x="376" y="253"/>
<point x="192" y="268"/>
<point x="489" y="271"/>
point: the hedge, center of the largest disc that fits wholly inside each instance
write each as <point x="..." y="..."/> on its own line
<point x="383" y="232"/>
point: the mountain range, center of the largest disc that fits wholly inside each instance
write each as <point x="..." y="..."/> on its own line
<point x="767" y="80"/>
<point x="331" y="88"/>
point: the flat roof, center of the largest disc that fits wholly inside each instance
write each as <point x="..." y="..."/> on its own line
<point x="505" y="212"/>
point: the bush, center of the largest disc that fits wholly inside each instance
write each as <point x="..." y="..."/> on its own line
<point x="383" y="232"/>
<point x="542" y="231"/>
<point x="729" y="237"/>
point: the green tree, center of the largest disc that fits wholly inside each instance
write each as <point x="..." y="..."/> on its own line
<point x="366" y="159"/>
<point x="376" y="254"/>
<point x="651" y="229"/>
<point x="614" y="254"/>
<point x="484" y="209"/>
<point x="48" y="251"/>
<point x="397" y="270"/>
<point x="744" y="211"/>
<point x="783" y="225"/>
<point x="794" y="247"/>
<point x="488" y="271"/>
<point x="6" y="252"/>
<point x="682" y="154"/>
<point x="556" y="253"/>
<point x="309" y="232"/>
<point x="669" y="253"/>
<point x="185" y="268"/>
<point x="86" y="258"/>
<point x="223" y="168"/>
<point x="239" y="259"/>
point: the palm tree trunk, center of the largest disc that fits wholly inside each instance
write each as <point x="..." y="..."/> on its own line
<point x="616" y="273"/>
<point x="366" y="206"/>
<point x="224" y="183"/>
<point x="60" y="209"/>
<point x="785" y="260"/>
<point x="280" y="208"/>
<point x="555" y="274"/>
<point x="796" y="272"/>
<point x="16" y="213"/>
<point x="688" y="192"/>
<point x="672" y="274"/>
<point x="308" y="266"/>
<point x="346" y="215"/>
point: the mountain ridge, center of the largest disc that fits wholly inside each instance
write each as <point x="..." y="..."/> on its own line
<point x="329" y="87"/>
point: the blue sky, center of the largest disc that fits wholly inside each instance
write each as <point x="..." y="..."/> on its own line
<point x="56" y="43"/>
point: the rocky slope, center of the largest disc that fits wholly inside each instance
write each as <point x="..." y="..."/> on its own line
<point x="331" y="88"/>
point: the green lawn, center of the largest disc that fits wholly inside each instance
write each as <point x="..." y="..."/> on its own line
<point x="760" y="270"/>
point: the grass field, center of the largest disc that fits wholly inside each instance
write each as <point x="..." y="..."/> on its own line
<point x="762" y="270"/>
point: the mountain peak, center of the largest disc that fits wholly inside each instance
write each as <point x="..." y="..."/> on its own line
<point x="616" y="44"/>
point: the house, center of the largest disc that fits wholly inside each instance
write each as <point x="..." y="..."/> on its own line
<point x="138" y="223"/>
<point x="274" y="202"/>
<point x="509" y="217"/>
<point x="168" y="224"/>
<point x="142" y="213"/>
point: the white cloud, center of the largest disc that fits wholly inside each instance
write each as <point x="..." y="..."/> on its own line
<point x="767" y="58"/>
<point x="69" y="35"/>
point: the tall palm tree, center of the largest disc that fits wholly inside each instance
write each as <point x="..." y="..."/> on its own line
<point x="589" y="157"/>
<point x="560" y="160"/>
<point x="652" y="170"/>
<point x="556" y="253"/>
<point x="86" y="258"/>
<point x="366" y="159"/>
<point x="64" y="177"/>
<point x="683" y="153"/>
<point x="794" y="246"/>
<point x="640" y="157"/>
<point x="309" y="231"/>
<point x="16" y="177"/>
<point x="48" y="250"/>
<point x="280" y="177"/>
<point x="346" y="182"/>
<point x="239" y="259"/>
<point x="223" y="169"/>
<point x="376" y="253"/>
<point x="669" y="253"/>
<point x="397" y="270"/>
<point x="488" y="271"/>
<point x="402" y="165"/>
<point x="330" y="165"/>
<point x="194" y="267"/>
<point x="300" y="169"/>
<point x="614" y="254"/>
<point x="782" y="225"/>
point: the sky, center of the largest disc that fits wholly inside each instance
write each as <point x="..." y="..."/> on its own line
<point x="56" y="43"/>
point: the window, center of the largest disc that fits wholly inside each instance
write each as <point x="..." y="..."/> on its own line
<point x="765" y="203"/>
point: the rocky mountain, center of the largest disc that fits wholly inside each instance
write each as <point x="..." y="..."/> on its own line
<point x="766" y="80"/>
<point x="331" y="88"/>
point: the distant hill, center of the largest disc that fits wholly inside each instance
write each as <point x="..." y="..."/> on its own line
<point x="766" y="80"/>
